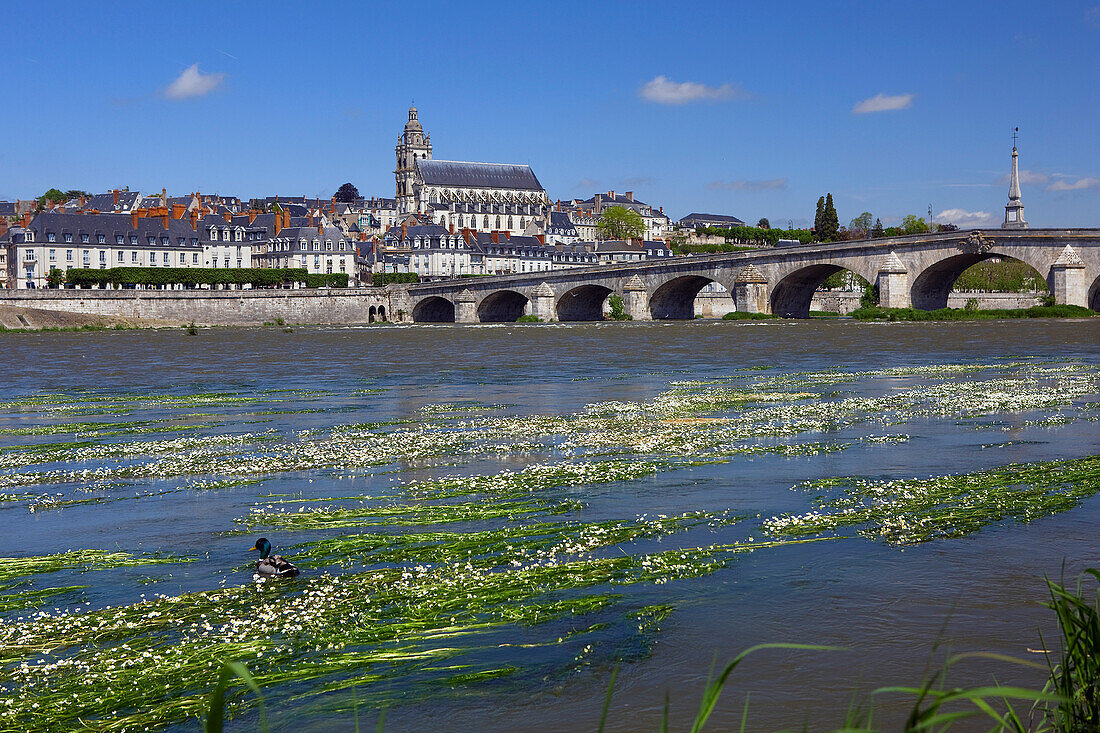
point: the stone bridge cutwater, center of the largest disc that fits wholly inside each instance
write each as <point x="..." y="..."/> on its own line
<point x="914" y="271"/>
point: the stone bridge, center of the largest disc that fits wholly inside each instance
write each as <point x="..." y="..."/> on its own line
<point x="915" y="271"/>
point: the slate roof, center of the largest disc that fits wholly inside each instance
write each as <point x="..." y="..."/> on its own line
<point x="560" y="223"/>
<point x="105" y="202"/>
<point x="110" y="225"/>
<point x="424" y="230"/>
<point x="693" y="219"/>
<point x="7" y="208"/>
<point x="460" y="174"/>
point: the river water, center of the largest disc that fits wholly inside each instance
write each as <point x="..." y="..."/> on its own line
<point x="271" y="407"/>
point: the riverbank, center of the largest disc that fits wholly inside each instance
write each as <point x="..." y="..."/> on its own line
<point x="964" y="314"/>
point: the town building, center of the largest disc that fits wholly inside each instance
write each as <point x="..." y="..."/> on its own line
<point x="617" y="251"/>
<point x="64" y="241"/>
<point x="319" y="249"/>
<point x="699" y="221"/>
<point x="656" y="223"/>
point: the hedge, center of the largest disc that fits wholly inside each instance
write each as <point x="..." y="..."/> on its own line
<point x="386" y="278"/>
<point x="333" y="280"/>
<point x="256" y="276"/>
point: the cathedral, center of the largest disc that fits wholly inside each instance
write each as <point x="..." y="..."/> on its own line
<point x="458" y="194"/>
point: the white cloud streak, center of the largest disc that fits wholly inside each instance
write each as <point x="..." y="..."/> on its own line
<point x="1078" y="185"/>
<point x="883" y="103"/>
<point x="963" y="218"/>
<point x="772" y="184"/>
<point x="662" y="90"/>
<point x="193" y="83"/>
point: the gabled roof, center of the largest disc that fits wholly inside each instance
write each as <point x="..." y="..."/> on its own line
<point x="693" y="219"/>
<point x="461" y="174"/>
<point x="111" y="225"/>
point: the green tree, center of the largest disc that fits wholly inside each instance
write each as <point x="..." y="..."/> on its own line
<point x="912" y="224"/>
<point x="619" y="222"/>
<point x="54" y="195"/>
<point x="56" y="278"/>
<point x="819" y="217"/>
<point x="861" y="224"/>
<point x="764" y="223"/>
<point x="830" y="224"/>
<point x="347" y="193"/>
<point x="877" y="230"/>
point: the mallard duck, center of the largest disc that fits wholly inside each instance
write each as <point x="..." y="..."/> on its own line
<point x="272" y="566"/>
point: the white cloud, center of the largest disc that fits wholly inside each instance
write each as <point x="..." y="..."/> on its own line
<point x="772" y="184"/>
<point x="1079" y="184"/>
<point x="1025" y="178"/>
<point x="963" y="218"/>
<point x="663" y="90"/>
<point x="882" y="103"/>
<point x="193" y="83"/>
<point x="587" y="183"/>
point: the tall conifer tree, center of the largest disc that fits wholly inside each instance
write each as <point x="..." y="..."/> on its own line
<point x="830" y="223"/>
<point x="819" y="217"/>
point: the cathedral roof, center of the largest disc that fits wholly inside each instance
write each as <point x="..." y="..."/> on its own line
<point x="460" y="174"/>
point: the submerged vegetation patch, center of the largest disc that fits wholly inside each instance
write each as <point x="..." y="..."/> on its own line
<point x="466" y="544"/>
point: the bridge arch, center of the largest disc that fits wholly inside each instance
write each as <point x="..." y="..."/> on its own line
<point x="932" y="285"/>
<point x="434" y="309"/>
<point x="675" y="298"/>
<point x="791" y="296"/>
<point x="1094" y="295"/>
<point x="583" y="303"/>
<point x="502" y="306"/>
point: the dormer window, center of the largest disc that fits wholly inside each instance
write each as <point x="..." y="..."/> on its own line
<point x="119" y="239"/>
<point x="50" y="237"/>
<point x="151" y="240"/>
<point x="101" y="238"/>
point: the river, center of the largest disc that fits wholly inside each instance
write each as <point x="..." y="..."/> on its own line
<point x="191" y="447"/>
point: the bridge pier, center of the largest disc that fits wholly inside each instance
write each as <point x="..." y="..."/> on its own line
<point x="466" y="308"/>
<point x="1068" y="274"/>
<point x="893" y="283"/>
<point x="634" y="300"/>
<point x="750" y="291"/>
<point x="542" y="303"/>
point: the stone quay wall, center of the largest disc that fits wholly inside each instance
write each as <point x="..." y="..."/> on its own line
<point x="220" y="307"/>
<point x="716" y="305"/>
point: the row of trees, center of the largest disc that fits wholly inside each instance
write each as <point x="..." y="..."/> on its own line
<point x="192" y="276"/>
<point x="827" y="226"/>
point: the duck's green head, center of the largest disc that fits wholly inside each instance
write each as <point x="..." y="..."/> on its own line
<point x="263" y="546"/>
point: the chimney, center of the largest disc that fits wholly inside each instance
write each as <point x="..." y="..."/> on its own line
<point x="133" y="219"/>
<point x="195" y="219"/>
<point x="452" y="227"/>
<point x="165" y="220"/>
<point x="164" y="194"/>
<point x="662" y="209"/>
<point x="83" y="200"/>
<point x="320" y="227"/>
<point x="404" y="230"/>
<point x="495" y="235"/>
<point x="559" y="204"/>
<point x="115" y="196"/>
<point x="333" y="204"/>
<point x="251" y="216"/>
<point x="61" y="208"/>
<point x="362" y="236"/>
<point x="178" y="210"/>
<point x="278" y="223"/>
<point x="611" y="195"/>
<point x="598" y="200"/>
<point x="630" y="196"/>
<point x="26" y="219"/>
<point x="228" y="217"/>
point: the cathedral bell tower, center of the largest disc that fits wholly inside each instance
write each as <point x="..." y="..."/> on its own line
<point x="412" y="145"/>
<point x="1014" y="209"/>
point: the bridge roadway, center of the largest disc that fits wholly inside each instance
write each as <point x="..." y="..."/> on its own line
<point x="914" y="271"/>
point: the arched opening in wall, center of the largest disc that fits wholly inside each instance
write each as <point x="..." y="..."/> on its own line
<point x="381" y="312"/>
<point x="371" y="314"/>
<point x="675" y="299"/>
<point x="584" y="303"/>
<point x="975" y="276"/>
<point x="503" y="306"/>
<point x="838" y="294"/>
<point x="1094" y="295"/>
<point x="793" y="296"/>
<point x="434" y="310"/>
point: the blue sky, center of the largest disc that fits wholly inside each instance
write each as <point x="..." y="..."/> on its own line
<point x="751" y="109"/>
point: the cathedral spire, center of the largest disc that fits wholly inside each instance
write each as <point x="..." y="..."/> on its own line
<point x="1014" y="209"/>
